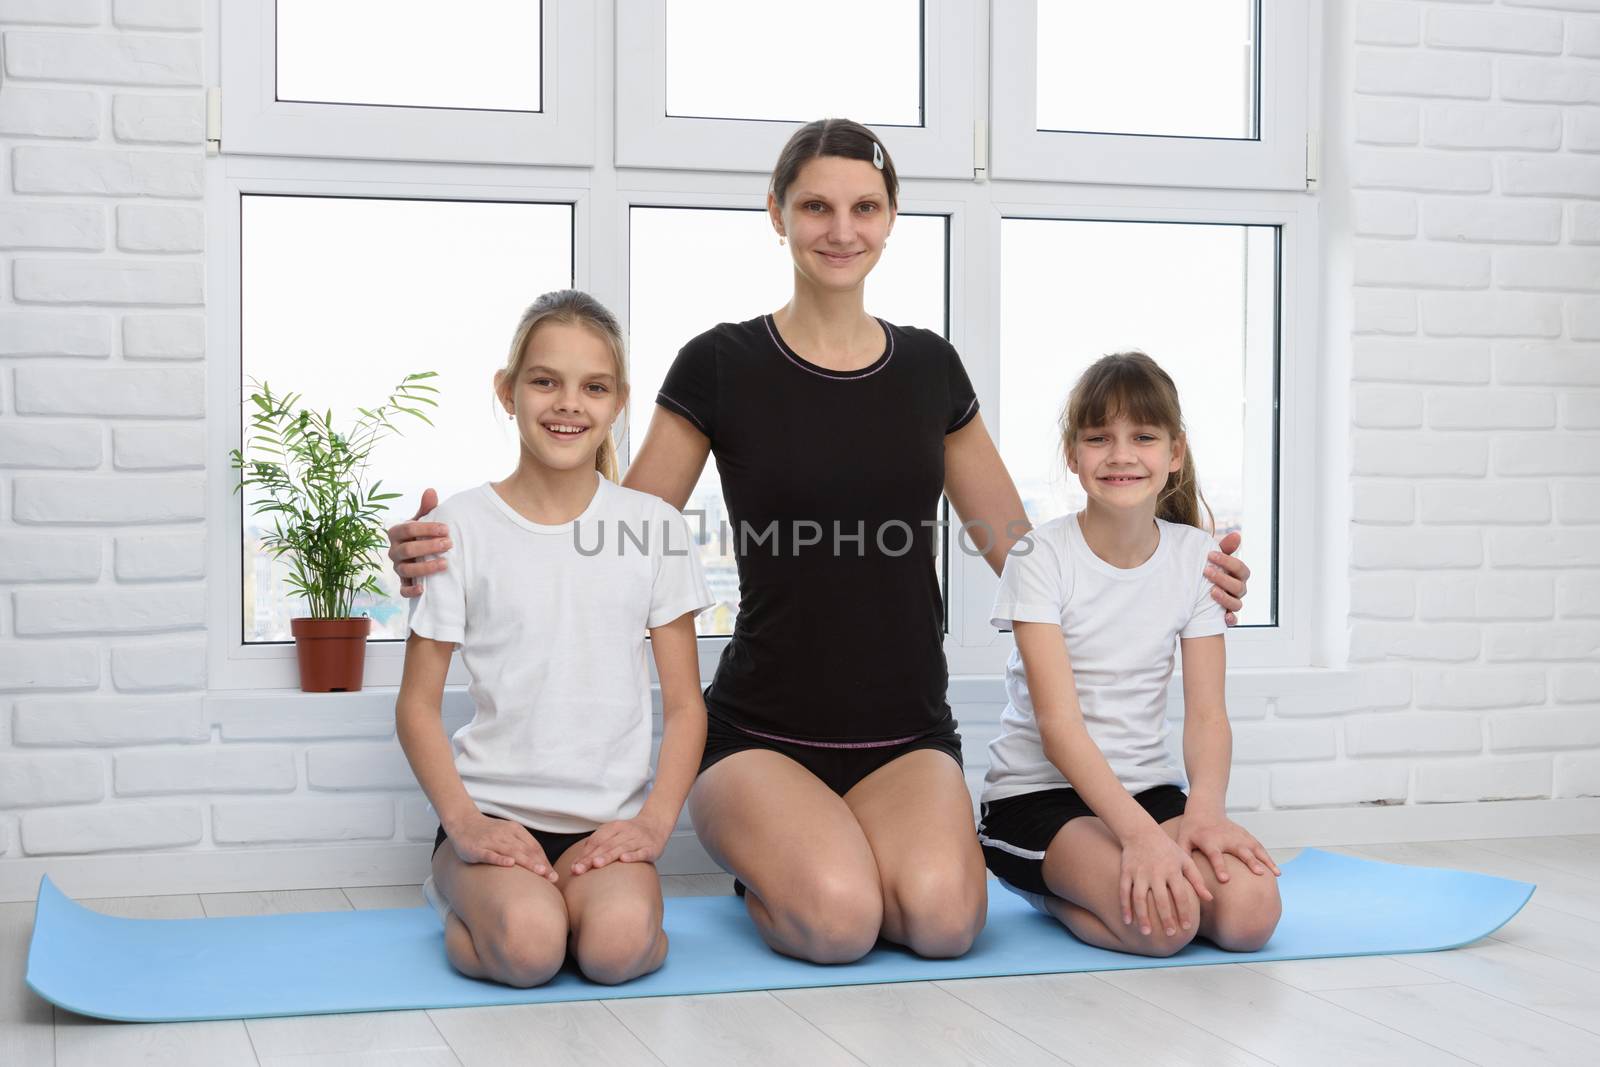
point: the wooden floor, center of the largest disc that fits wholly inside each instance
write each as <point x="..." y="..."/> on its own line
<point x="1530" y="994"/>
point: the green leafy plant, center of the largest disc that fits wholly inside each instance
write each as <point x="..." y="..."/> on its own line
<point x="313" y="481"/>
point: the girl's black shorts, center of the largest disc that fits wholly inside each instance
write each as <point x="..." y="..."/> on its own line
<point x="1016" y="831"/>
<point x="839" y="767"/>
<point x="554" y="844"/>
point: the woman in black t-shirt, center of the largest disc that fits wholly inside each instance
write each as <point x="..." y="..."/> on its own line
<point x="831" y="784"/>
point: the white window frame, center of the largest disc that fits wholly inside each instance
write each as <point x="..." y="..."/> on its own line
<point x="231" y="662"/>
<point x="255" y="121"/>
<point x="604" y="193"/>
<point x="943" y="147"/>
<point x="1276" y="160"/>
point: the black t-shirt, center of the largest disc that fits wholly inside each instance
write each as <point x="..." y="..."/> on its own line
<point x="831" y="481"/>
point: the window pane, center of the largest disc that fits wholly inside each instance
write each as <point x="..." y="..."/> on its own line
<point x="478" y="54"/>
<point x="692" y="268"/>
<point x="1201" y="301"/>
<point x="730" y="59"/>
<point x="343" y="297"/>
<point x="1173" y="68"/>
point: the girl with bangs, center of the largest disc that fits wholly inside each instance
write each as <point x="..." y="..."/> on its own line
<point x="1083" y="809"/>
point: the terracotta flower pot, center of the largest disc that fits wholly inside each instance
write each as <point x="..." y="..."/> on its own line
<point x="332" y="653"/>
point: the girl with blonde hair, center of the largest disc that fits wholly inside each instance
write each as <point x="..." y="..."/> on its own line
<point x="549" y="826"/>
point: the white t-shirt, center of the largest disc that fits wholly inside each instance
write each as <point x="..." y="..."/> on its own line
<point x="1121" y="627"/>
<point x="551" y="625"/>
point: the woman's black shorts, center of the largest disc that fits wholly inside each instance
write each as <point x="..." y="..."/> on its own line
<point x="1016" y="831"/>
<point x="839" y="768"/>
<point x="554" y="844"/>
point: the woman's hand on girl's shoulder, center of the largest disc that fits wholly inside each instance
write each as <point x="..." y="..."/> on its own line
<point x="1215" y="836"/>
<point x="411" y="541"/>
<point x="1153" y="866"/>
<point x="502" y="843"/>
<point x="1229" y="577"/>
<point x="635" y="840"/>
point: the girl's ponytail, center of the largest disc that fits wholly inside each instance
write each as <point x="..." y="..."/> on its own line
<point x="605" y="460"/>
<point x="1181" y="500"/>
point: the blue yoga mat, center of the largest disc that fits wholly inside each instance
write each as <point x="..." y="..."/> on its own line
<point x="167" y="970"/>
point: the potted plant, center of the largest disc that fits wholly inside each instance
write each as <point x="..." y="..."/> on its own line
<point x="326" y="520"/>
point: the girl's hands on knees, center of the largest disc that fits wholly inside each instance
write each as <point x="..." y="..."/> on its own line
<point x="1229" y="577"/>
<point x="636" y="840"/>
<point x="410" y="541"/>
<point x="501" y="843"/>
<point x="1153" y="866"/>
<point x="1216" y="836"/>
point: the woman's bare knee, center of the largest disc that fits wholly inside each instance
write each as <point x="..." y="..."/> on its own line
<point x="813" y="884"/>
<point x="942" y="910"/>
<point x="830" y="917"/>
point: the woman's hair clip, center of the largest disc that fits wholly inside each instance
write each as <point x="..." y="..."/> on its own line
<point x="877" y="155"/>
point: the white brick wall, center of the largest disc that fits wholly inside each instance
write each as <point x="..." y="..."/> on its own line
<point x="205" y="769"/>
<point x="1475" y="546"/>
<point x="122" y="828"/>
<point x="1472" y="146"/>
<point x="109" y="721"/>
<point x="272" y="821"/>
<point x="54" y="333"/>
<point x="147" y="557"/>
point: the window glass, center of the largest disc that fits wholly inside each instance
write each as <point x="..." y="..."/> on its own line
<point x="1173" y="68"/>
<point x="693" y="268"/>
<point x="731" y="59"/>
<point x="342" y="297"/>
<point x="474" y="54"/>
<point x="1201" y="300"/>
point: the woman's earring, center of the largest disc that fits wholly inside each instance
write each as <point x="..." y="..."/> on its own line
<point x="781" y="240"/>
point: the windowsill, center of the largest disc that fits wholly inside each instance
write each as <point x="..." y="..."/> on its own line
<point x="370" y="712"/>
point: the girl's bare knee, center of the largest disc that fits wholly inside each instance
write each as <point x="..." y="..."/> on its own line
<point x="618" y="956"/>
<point x="525" y="965"/>
<point x="522" y="946"/>
<point x="616" y="939"/>
<point x="459" y="949"/>
<point x="1246" y="913"/>
<point x="1157" y="943"/>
